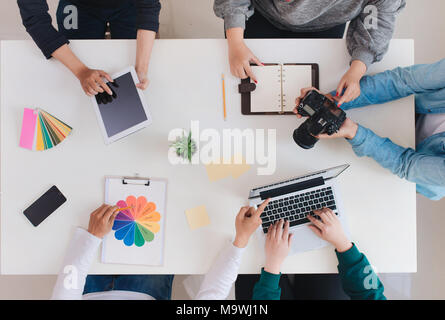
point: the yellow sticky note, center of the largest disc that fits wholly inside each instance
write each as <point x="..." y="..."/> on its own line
<point x="219" y="171"/>
<point x="197" y="217"/>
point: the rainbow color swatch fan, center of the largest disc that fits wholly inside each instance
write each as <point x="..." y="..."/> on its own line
<point x="41" y="130"/>
<point x="138" y="224"/>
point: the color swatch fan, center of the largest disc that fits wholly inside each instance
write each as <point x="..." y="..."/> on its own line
<point x="137" y="224"/>
<point x="41" y="130"/>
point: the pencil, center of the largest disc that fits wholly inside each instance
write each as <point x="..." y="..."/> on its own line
<point x="122" y="209"/>
<point x="224" y="97"/>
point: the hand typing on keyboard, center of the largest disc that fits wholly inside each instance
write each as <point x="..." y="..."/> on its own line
<point x="247" y="221"/>
<point x="278" y="243"/>
<point x="329" y="228"/>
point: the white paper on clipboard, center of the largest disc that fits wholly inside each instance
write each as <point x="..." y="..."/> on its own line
<point x="147" y="197"/>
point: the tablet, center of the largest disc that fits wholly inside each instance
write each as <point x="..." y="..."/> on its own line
<point x="127" y="112"/>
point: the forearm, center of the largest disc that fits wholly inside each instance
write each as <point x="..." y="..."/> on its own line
<point x="70" y="60"/>
<point x="80" y="254"/>
<point x="145" y="41"/>
<point x="399" y="83"/>
<point x="267" y="288"/>
<point x="219" y="279"/>
<point x="359" y="280"/>
<point x="404" y="162"/>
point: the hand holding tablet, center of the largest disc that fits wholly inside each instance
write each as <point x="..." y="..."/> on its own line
<point x="125" y="111"/>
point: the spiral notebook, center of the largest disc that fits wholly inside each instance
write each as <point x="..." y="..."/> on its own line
<point x="277" y="88"/>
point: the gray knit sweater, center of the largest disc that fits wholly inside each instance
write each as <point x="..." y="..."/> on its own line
<point x="364" y="43"/>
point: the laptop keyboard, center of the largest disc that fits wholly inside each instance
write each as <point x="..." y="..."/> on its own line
<point x="295" y="208"/>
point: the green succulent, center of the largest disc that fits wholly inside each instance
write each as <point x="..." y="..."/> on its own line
<point x="185" y="146"/>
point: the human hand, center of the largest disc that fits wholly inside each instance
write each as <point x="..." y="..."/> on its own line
<point x="303" y="93"/>
<point x="351" y="82"/>
<point x="104" y="97"/>
<point x="278" y="243"/>
<point x="101" y="220"/>
<point x="240" y="55"/>
<point x="247" y="221"/>
<point x="330" y="229"/>
<point x="348" y="130"/>
<point x="92" y="81"/>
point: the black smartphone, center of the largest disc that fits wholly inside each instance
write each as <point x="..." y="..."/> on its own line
<point x="44" y="206"/>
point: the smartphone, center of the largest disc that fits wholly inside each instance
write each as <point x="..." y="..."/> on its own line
<point x="44" y="206"/>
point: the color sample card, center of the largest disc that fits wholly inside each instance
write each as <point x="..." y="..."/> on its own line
<point x="197" y="217"/>
<point x="41" y="130"/>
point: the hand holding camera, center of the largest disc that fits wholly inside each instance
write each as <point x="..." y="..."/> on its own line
<point x="325" y="119"/>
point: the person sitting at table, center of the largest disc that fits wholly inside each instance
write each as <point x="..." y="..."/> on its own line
<point x="370" y="30"/>
<point x="357" y="277"/>
<point x="88" y="19"/>
<point x="73" y="282"/>
<point x="424" y="166"/>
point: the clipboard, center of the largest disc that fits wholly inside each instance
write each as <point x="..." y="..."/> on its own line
<point x="246" y="87"/>
<point x="138" y="233"/>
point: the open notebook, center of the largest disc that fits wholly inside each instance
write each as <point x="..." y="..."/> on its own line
<point x="277" y="88"/>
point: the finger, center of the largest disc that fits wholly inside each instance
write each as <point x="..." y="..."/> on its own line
<point x="291" y="236"/>
<point x="91" y="90"/>
<point x="104" y="86"/>
<point x="269" y="231"/>
<point x="241" y="73"/>
<point x="346" y="97"/>
<point x="95" y="212"/>
<point x="257" y="61"/>
<point x="249" y="72"/>
<point x="102" y="211"/>
<point x="250" y="212"/>
<point x="105" y="75"/>
<point x="286" y="230"/>
<point x="340" y="88"/>
<point x="273" y="231"/>
<point x="315" y="230"/>
<point x="242" y="212"/>
<point x="279" y="232"/>
<point x="110" y="211"/>
<point x="262" y="206"/>
<point x="316" y="222"/>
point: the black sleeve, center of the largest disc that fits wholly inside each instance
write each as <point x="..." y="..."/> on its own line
<point x="148" y="15"/>
<point x="37" y="21"/>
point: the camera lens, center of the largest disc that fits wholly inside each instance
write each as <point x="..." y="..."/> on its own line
<point x="303" y="138"/>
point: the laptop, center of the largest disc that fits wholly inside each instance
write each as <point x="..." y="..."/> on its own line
<point x="294" y="199"/>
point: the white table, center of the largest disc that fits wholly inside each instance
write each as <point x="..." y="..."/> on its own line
<point x="186" y="85"/>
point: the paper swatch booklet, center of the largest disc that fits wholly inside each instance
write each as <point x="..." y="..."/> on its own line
<point x="41" y="130"/>
<point x="277" y="88"/>
<point x="137" y="236"/>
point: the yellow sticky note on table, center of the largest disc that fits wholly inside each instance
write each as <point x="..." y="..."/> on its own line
<point x="217" y="171"/>
<point x="197" y="217"/>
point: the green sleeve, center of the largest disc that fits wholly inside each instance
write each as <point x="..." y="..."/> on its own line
<point x="359" y="280"/>
<point x="267" y="288"/>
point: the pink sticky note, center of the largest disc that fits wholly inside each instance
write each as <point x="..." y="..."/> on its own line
<point x="28" y="129"/>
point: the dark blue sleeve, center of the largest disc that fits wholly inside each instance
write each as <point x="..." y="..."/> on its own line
<point x="38" y="24"/>
<point x="148" y="14"/>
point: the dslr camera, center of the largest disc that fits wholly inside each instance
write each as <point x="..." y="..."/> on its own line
<point x="324" y="117"/>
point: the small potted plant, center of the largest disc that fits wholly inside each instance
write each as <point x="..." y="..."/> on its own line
<point x="185" y="146"/>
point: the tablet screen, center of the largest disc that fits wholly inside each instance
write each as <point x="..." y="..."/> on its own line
<point x="126" y="110"/>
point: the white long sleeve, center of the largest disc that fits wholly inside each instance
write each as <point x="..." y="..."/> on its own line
<point x="219" y="279"/>
<point x="71" y="280"/>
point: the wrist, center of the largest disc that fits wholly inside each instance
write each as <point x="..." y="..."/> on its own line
<point x="343" y="245"/>
<point x="235" y="36"/>
<point x="78" y="70"/>
<point x="241" y="241"/>
<point x="272" y="267"/>
<point x="352" y="130"/>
